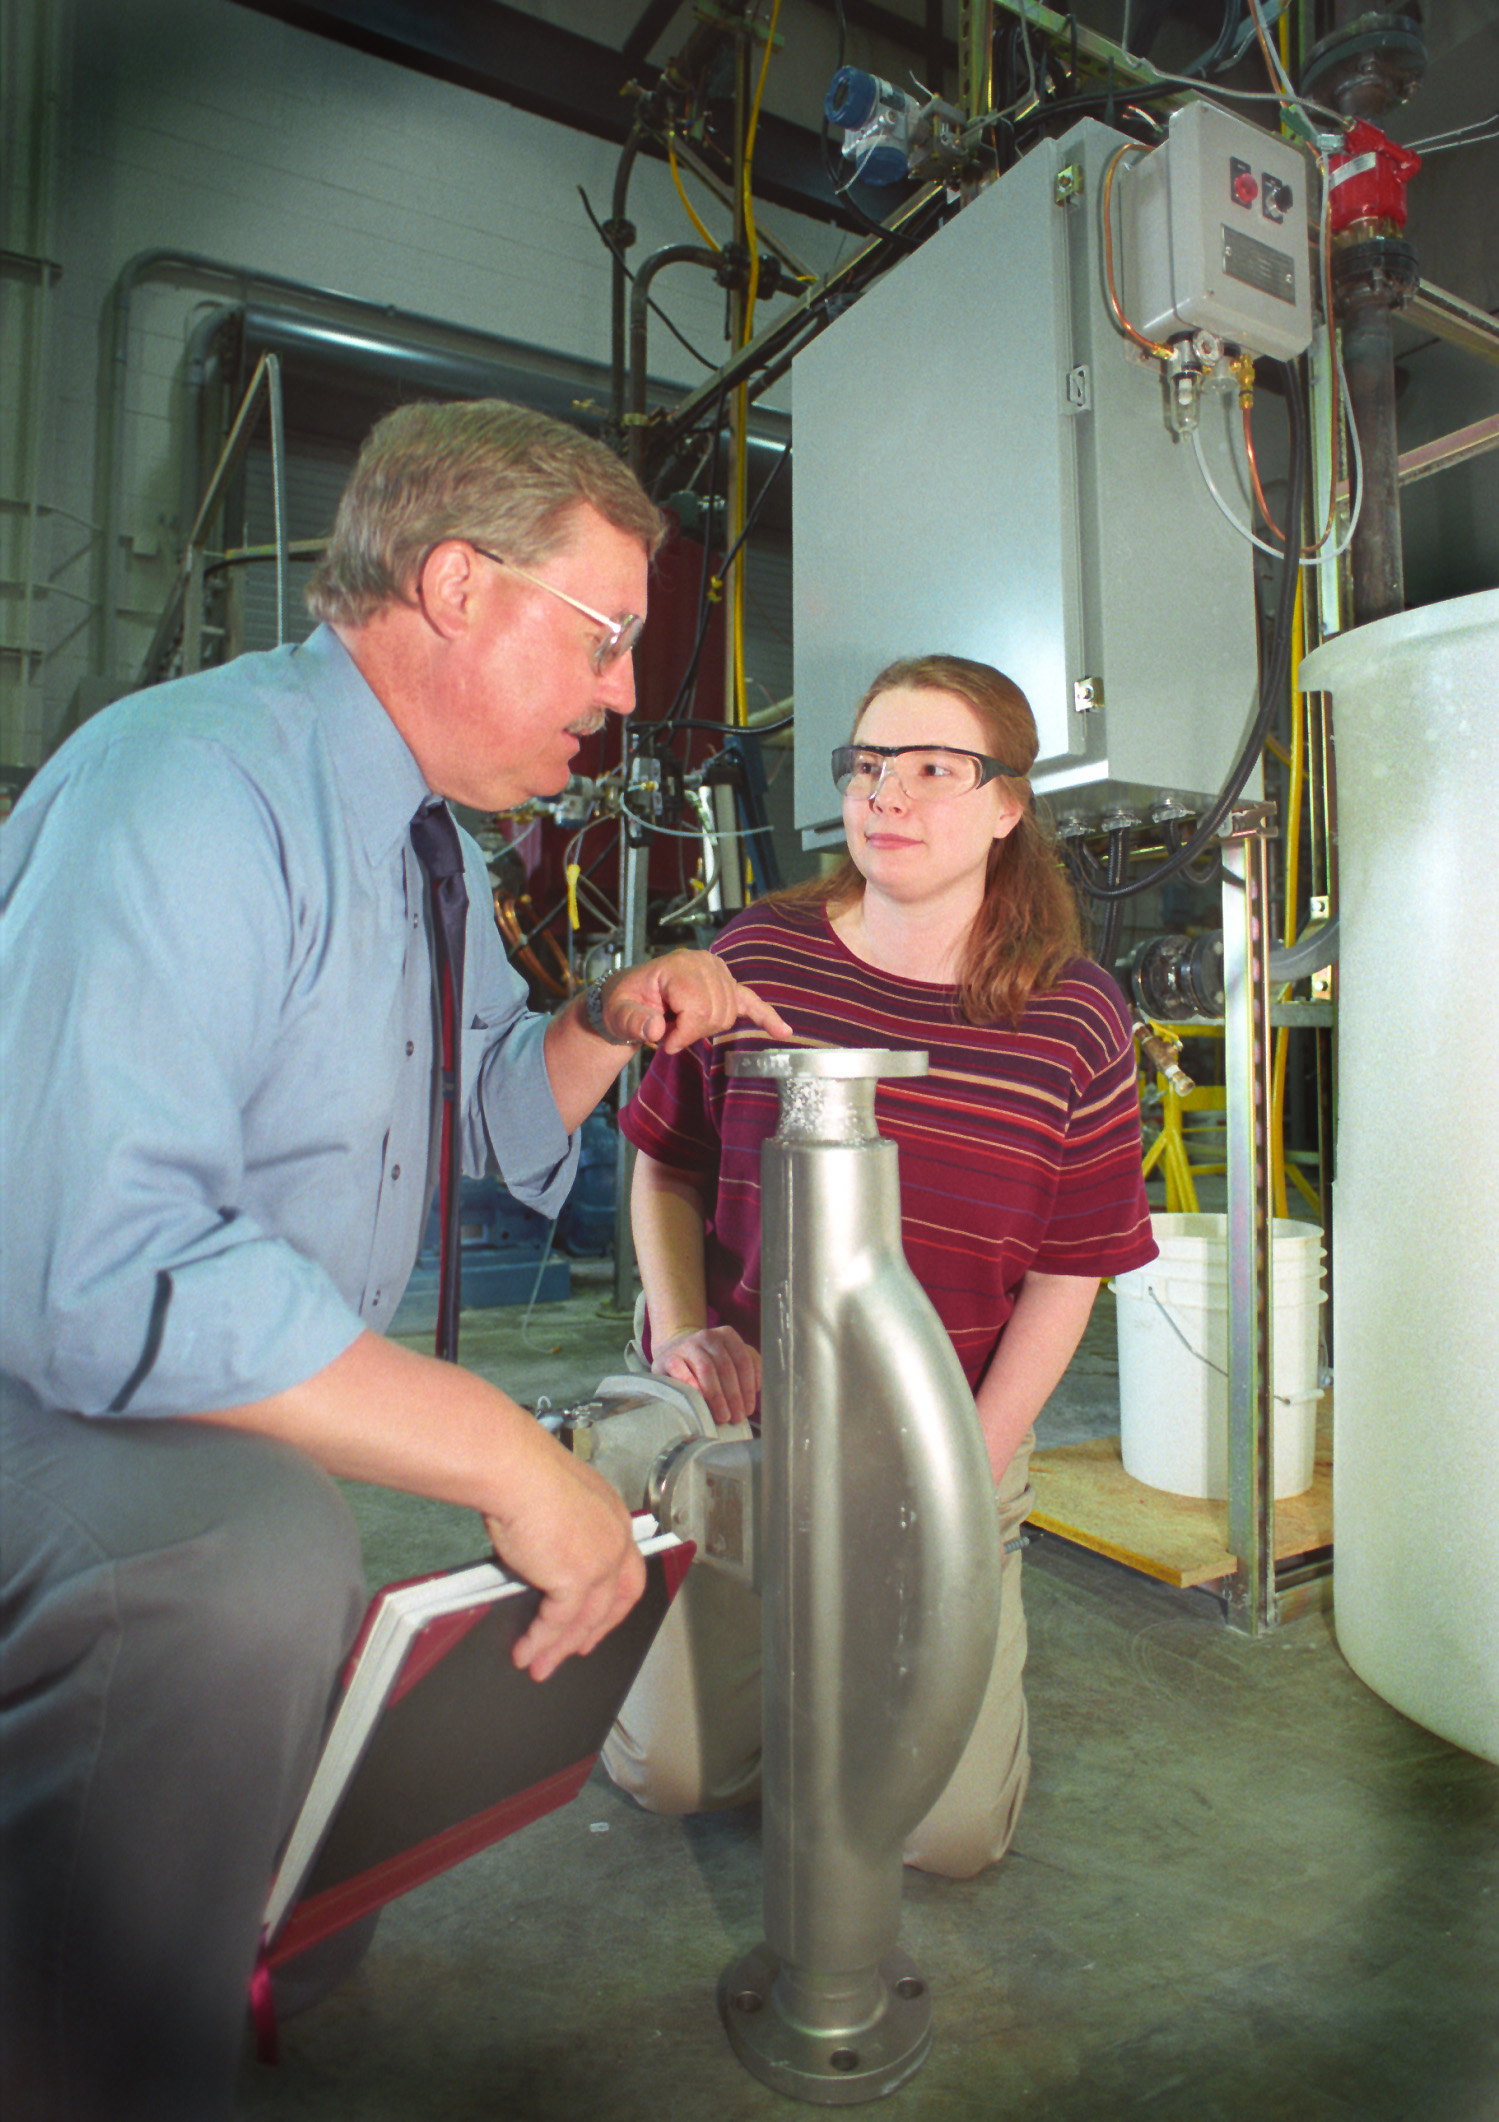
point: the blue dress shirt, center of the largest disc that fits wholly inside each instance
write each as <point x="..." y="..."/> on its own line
<point x="218" y="1085"/>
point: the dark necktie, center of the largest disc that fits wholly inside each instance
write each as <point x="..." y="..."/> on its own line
<point x="434" y="836"/>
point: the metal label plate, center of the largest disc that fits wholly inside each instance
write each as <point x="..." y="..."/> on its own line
<point x="1259" y="265"/>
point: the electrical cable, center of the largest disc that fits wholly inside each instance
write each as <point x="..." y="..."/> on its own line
<point x="1318" y="555"/>
<point x="755" y="729"/>
<point x="1165" y="85"/>
<point x="1287" y="96"/>
<point x="651" y="303"/>
<point x="1206" y="870"/>
<point x="670" y="832"/>
<point x="1472" y="135"/>
<point x="740" y="701"/>
<point x="687" y="685"/>
<point x="1273" y="679"/>
<point x="752" y="290"/>
<point x="1208" y="62"/>
<point x="1113" y="921"/>
<point x="673" y="718"/>
<point x="1323" y="551"/>
<point x="561" y="907"/>
<point x="676" y="178"/>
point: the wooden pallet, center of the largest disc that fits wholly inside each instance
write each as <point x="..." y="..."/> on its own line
<point x="1084" y="1495"/>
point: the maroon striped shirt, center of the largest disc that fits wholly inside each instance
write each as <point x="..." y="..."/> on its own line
<point x="1019" y="1149"/>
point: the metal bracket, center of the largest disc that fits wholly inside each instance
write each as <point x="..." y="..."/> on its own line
<point x="1246" y="820"/>
<point x="1087" y="694"/>
<point x="1069" y="185"/>
<point x="1079" y="389"/>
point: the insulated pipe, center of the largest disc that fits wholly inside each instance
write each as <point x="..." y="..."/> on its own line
<point x="880" y="1573"/>
<point x="341" y="312"/>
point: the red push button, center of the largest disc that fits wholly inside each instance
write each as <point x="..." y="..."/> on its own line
<point x="1246" y="191"/>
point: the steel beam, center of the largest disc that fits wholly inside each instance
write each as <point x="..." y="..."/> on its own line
<point x="523" y="60"/>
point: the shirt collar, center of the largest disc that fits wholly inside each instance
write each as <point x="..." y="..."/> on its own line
<point x="375" y="765"/>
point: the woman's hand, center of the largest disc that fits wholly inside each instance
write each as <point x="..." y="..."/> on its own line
<point x="720" y="1363"/>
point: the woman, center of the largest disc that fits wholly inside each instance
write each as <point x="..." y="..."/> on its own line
<point x="950" y="927"/>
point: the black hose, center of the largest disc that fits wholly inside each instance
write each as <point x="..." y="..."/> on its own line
<point x="1272" y="683"/>
<point x="1208" y="62"/>
<point x="1206" y="870"/>
<point x="1113" y="920"/>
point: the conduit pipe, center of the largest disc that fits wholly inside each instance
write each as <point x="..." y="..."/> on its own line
<point x="640" y="296"/>
<point x="880" y="1568"/>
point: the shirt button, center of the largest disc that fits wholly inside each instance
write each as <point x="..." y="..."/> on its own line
<point x="410" y="1048"/>
<point x="395" y="1171"/>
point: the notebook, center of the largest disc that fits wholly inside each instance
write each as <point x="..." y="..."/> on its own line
<point x="440" y="1746"/>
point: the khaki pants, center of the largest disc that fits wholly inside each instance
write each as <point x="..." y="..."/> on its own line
<point x="688" y="1737"/>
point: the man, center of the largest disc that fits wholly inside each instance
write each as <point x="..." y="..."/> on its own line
<point x="222" y="1068"/>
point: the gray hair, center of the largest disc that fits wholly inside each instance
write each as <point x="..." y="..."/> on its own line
<point x="501" y="474"/>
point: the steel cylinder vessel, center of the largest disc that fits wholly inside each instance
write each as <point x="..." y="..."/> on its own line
<point x="881" y="1570"/>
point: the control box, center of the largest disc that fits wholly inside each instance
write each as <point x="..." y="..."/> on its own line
<point x="983" y="469"/>
<point x="1214" y="235"/>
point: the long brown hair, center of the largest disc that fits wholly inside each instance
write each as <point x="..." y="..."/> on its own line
<point x="1028" y="926"/>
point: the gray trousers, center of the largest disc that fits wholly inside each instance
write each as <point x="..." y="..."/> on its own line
<point x="688" y="1737"/>
<point x="176" y="1602"/>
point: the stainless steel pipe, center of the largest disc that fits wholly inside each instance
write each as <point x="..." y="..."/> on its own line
<point x="881" y="1569"/>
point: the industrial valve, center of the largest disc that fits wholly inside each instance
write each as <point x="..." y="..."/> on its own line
<point x="1366" y="184"/>
<point x="1176" y="977"/>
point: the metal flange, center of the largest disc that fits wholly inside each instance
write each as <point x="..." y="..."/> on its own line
<point x="809" y="2048"/>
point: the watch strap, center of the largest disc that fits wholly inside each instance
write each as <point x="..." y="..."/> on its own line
<point x="593" y="1012"/>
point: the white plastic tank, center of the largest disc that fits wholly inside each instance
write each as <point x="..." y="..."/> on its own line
<point x="1415" y="703"/>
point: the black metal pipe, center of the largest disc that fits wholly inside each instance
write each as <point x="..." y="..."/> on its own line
<point x="621" y="235"/>
<point x="671" y="254"/>
<point x="1375" y="556"/>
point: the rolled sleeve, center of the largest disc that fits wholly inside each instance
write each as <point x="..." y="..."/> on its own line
<point x="145" y="975"/>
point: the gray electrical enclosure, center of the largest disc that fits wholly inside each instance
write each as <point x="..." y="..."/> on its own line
<point x="1215" y="221"/>
<point x="983" y="468"/>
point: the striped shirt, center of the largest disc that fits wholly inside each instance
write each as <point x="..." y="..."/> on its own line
<point x="1019" y="1149"/>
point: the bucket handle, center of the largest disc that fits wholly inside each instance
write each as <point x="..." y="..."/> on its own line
<point x="1284" y="1398"/>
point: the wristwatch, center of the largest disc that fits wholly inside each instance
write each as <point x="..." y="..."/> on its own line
<point x="593" y="1011"/>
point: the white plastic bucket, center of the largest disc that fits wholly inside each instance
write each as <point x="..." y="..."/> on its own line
<point x="1173" y="1356"/>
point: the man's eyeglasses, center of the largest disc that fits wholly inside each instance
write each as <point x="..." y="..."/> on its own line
<point x="620" y="635"/>
<point x="929" y="773"/>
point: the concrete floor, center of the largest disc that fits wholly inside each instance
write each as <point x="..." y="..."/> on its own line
<point x="1243" y="1889"/>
